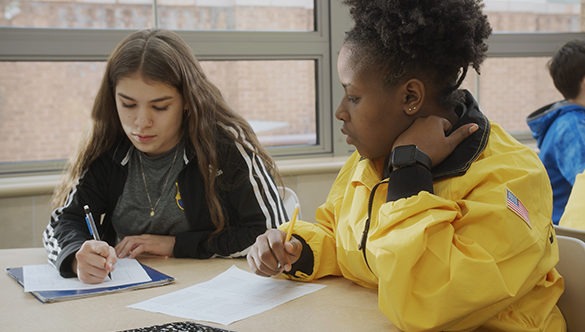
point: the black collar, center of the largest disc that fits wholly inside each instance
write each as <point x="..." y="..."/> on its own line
<point x="459" y="161"/>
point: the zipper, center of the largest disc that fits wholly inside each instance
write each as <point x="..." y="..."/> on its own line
<point x="364" y="239"/>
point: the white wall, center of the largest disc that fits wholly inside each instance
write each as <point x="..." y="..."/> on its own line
<point x="25" y="208"/>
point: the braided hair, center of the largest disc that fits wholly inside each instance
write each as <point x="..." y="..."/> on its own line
<point x="403" y="38"/>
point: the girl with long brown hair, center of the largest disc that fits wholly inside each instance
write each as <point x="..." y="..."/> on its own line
<point x="168" y="168"/>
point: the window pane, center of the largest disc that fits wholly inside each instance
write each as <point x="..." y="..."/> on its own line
<point x="534" y="15"/>
<point x="237" y="15"/>
<point x="512" y="88"/>
<point x="81" y="14"/>
<point x="203" y="15"/>
<point x="278" y="98"/>
<point x="45" y="106"/>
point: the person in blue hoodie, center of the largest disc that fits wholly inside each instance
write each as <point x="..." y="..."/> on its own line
<point x="559" y="128"/>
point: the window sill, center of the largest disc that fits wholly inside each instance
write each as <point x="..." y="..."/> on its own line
<point x="310" y="166"/>
<point x="28" y="185"/>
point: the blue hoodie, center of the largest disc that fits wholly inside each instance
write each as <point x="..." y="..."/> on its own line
<point x="559" y="130"/>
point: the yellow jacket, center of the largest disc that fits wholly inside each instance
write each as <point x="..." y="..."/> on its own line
<point x="574" y="215"/>
<point x="458" y="259"/>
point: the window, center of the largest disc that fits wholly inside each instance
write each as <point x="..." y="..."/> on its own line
<point x="278" y="98"/>
<point x="268" y="58"/>
<point x="193" y="15"/>
<point x="534" y="15"/>
<point x="45" y="107"/>
<point x="48" y="123"/>
<point x="214" y="15"/>
<point x="275" y="62"/>
<point x="514" y="79"/>
<point x="527" y="86"/>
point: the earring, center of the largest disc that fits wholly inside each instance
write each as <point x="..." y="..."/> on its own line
<point x="411" y="109"/>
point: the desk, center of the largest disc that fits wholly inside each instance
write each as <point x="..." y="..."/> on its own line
<point x="341" y="306"/>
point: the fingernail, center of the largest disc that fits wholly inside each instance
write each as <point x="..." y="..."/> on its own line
<point x="473" y="128"/>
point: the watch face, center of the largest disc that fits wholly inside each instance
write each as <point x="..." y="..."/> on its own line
<point x="404" y="156"/>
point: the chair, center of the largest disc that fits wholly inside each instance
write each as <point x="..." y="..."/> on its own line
<point x="290" y="200"/>
<point x="572" y="267"/>
<point x="572" y="232"/>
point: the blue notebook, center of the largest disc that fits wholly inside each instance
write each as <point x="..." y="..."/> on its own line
<point x="157" y="279"/>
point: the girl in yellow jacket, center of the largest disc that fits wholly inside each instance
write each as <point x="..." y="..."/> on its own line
<point x="447" y="215"/>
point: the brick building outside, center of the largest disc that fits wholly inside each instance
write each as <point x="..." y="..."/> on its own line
<point x="44" y="106"/>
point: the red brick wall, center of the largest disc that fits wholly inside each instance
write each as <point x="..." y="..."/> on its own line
<point x="44" y="107"/>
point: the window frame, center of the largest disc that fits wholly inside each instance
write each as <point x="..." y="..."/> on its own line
<point x="55" y="44"/>
<point x="332" y="20"/>
<point x="525" y="45"/>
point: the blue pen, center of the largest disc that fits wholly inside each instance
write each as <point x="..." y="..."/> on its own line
<point x="92" y="227"/>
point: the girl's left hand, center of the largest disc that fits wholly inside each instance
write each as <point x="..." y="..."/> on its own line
<point x="135" y="245"/>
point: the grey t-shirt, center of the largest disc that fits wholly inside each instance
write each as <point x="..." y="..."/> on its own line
<point x="132" y="215"/>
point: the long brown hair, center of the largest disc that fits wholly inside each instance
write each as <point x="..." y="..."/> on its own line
<point x="163" y="56"/>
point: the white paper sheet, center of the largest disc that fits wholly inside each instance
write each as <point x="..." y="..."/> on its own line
<point x="231" y="296"/>
<point x="45" y="277"/>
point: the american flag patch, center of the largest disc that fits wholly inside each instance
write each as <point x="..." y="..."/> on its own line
<point x="514" y="204"/>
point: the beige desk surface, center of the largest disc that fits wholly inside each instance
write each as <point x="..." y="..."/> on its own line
<point x="341" y="306"/>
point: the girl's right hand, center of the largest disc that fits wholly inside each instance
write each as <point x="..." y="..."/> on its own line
<point x="93" y="261"/>
<point x="270" y="256"/>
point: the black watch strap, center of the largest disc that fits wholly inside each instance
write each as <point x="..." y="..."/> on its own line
<point x="409" y="155"/>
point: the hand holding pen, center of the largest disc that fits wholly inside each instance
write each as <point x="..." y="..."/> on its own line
<point x="95" y="258"/>
<point x="275" y="251"/>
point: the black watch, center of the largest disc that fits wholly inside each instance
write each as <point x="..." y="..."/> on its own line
<point x="409" y="155"/>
